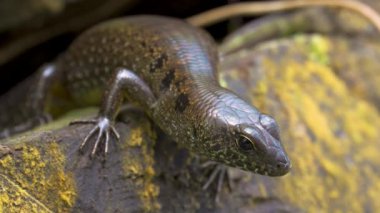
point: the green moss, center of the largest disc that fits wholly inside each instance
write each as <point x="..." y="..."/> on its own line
<point x="317" y="48"/>
<point x="68" y="117"/>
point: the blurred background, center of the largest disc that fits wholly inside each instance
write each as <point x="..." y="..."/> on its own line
<point x="33" y="32"/>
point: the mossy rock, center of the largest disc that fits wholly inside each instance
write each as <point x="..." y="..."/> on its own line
<point x="48" y="174"/>
<point x="330" y="130"/>
<point x="351" y="50"/>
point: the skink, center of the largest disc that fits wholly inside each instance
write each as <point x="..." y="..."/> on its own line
<point x="168" y="68"/>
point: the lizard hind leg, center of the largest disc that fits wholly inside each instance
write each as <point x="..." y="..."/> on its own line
<point x="123" y="83"/>
<point x="24" y="106"/>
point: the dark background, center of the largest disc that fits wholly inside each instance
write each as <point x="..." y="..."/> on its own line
<point x="28" y="61"/>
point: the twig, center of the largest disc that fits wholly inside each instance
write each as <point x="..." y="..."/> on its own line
<point x="257" y="8"/>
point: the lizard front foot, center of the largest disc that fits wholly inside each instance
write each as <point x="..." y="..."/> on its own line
<point x="103" y="128"/>
<point x="219" y="173"/>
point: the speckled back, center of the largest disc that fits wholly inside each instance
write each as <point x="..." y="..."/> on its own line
<point x="167" y="53"/>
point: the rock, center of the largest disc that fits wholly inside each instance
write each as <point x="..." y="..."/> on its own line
<point x="331" y="134"/>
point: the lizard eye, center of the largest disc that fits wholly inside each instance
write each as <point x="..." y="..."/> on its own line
<point x="245" y="143"/>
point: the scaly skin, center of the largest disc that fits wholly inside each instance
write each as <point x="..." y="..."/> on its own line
<point x="169" y="69"/>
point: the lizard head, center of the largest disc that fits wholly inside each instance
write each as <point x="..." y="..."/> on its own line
<point x="245" y="138"/>
<point x="259" y="147"/>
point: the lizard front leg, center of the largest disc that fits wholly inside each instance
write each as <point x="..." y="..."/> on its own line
<point x="123" y="83"/>
<point x="219" y="173"/>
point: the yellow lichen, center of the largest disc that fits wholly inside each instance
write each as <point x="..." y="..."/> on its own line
<point x="331" y="136"/>
<point x="136" y="139"/>
<point x="263" y="190"/>
<point x="37" y="177"/>
<point x="142" y="166"/>
<point x="134" y="168"/>
<point x="325" y="152"/>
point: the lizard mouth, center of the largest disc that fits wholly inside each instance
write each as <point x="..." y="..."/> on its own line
<point x="280" y="169"/>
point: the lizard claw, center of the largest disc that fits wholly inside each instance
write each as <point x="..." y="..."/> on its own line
<point x="103" y="128"/>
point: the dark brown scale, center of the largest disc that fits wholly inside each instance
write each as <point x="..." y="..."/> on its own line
<point x="169" y="78"/>
<point x="182" y="102"/>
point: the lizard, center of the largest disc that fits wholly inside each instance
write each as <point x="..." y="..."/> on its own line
<point x="168" y="68"/>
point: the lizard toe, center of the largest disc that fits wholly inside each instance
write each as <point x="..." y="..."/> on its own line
<point x="102" y="131"/>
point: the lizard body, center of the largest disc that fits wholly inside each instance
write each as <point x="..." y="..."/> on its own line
<point x="168" y="68"/>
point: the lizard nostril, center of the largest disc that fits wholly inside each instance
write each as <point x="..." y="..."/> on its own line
<point x="283" y="162"/>
<point x="283" y="166"/>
